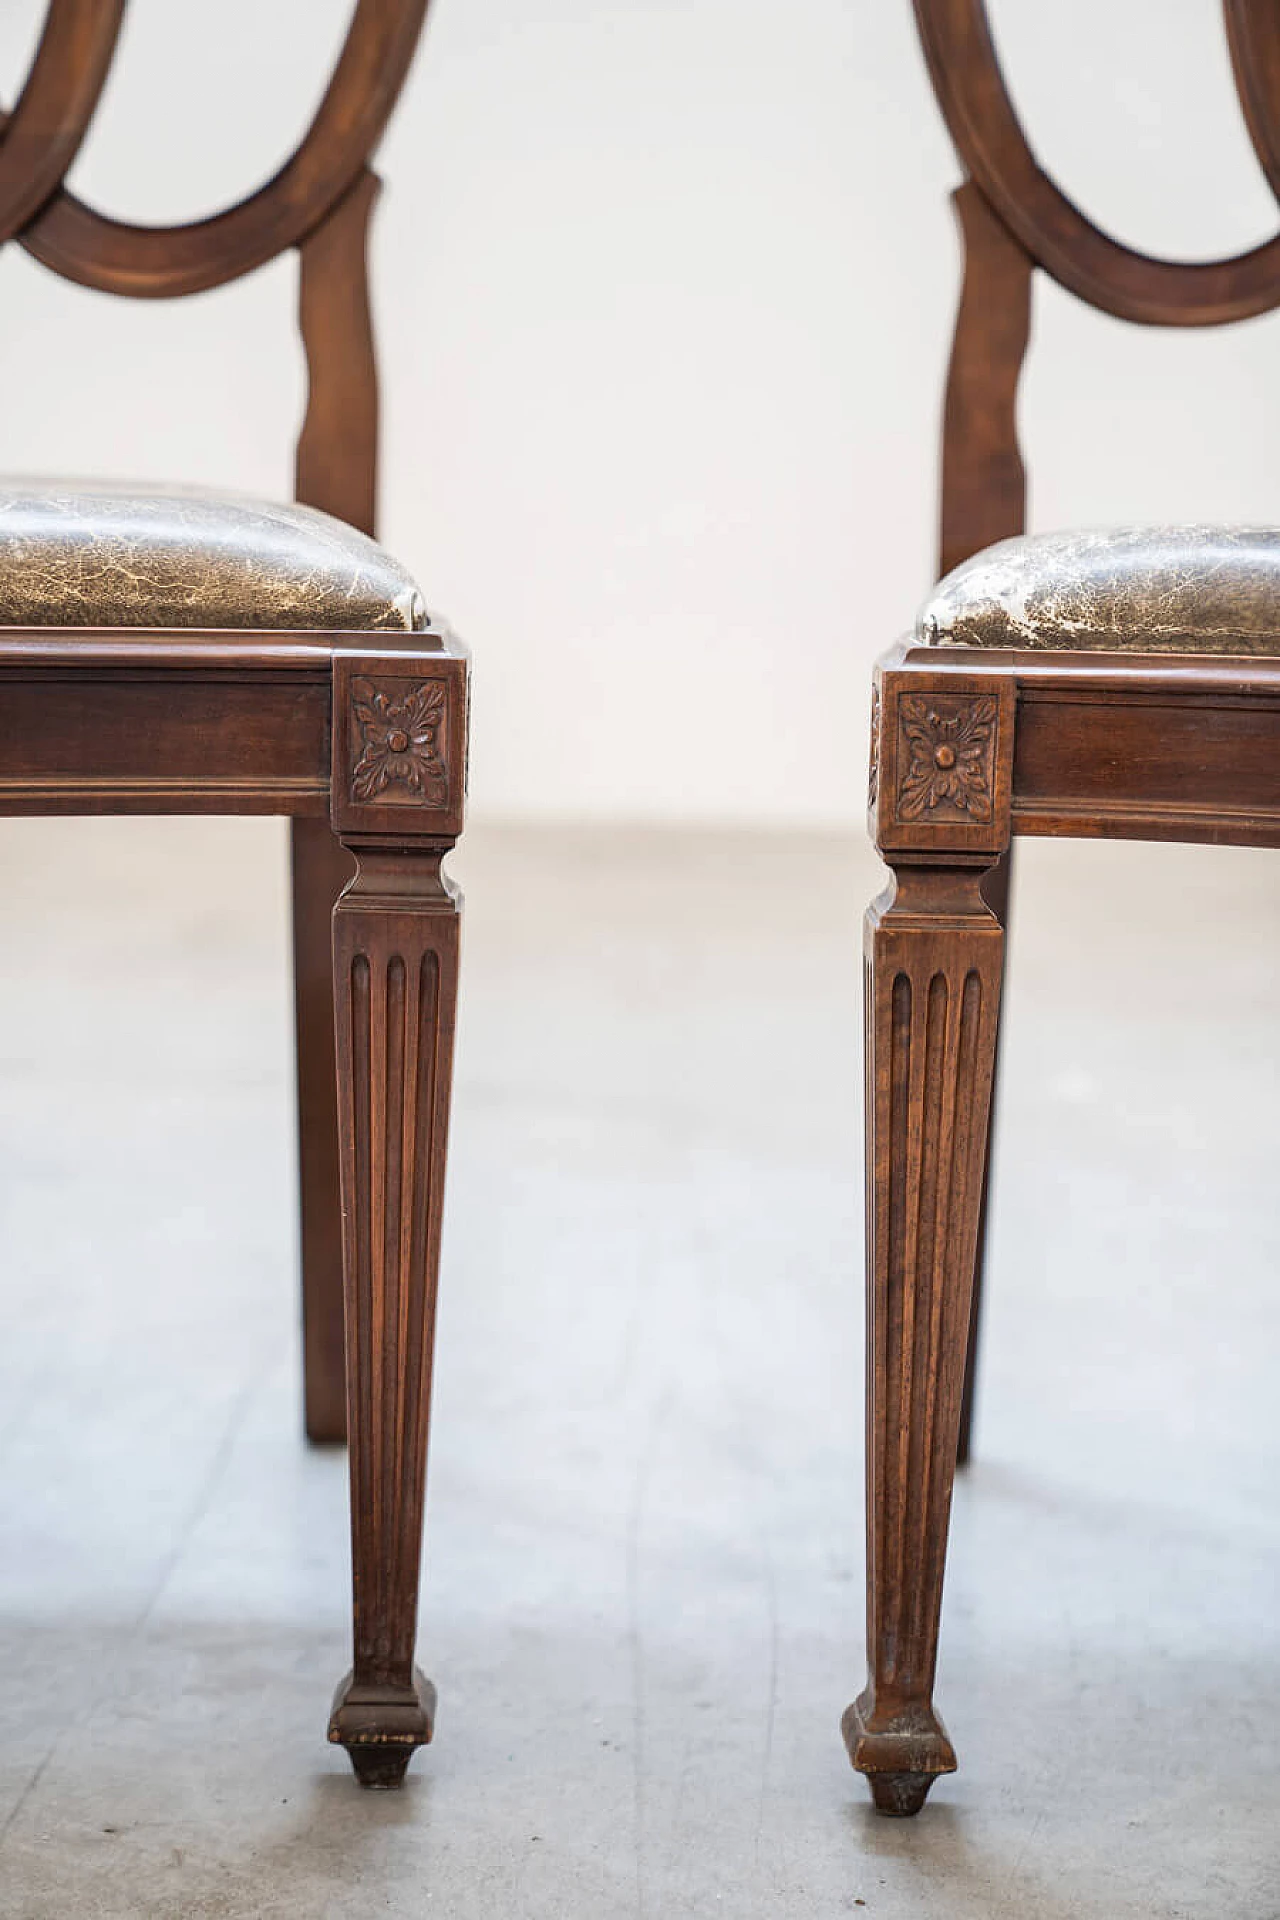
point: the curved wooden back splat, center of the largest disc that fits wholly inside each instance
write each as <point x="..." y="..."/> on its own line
<point x="1013" y="218"/>
<point x="984" y="483"/>
<point x="1253" y="35"/>
<point x="988" y="135"/>
<point x="42" y="135"/>
<point x="320" y="202"/>
<point x="161" y="262"/>
<point x="337" y="460"/>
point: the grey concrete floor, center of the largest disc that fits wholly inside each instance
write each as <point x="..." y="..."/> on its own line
<point x="642" y="1601"/>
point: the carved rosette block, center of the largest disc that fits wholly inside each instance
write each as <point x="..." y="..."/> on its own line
<point x="947" y="757"/>
<point x="402" y="731"/>
<point x="943" y="758"/>
<point x="933" y="963"/>
<point x="398" y="745"/>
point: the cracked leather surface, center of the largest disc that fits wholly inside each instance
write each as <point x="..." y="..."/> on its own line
<point x="1192" y="589"/>
<point x="89" y="554"/>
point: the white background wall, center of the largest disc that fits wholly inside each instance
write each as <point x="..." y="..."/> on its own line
<point x="664" y="289"/>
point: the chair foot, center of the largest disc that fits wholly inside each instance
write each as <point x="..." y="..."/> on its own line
<point x="901" y="1759"/>
<point x="900" y="1794"/>
<point x="381" y="1769"/>
<point x="382" y="1727"/>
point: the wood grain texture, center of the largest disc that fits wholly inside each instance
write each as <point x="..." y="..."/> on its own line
<point x="1013" y="217"/>
<point x="933" y="964"/>
<point x="395" y="947"/>
<point x="113" y="256"/>
<point x="395" y="968"/>
<point x="933" y="961"/>
<point x="96" y="720"/>
<point x="1253" y="36"/>
<point x="337" y="458"/>
<point x="994" y="149"/>
<point x="336" y="469"/>
<point x="98" y="739"/>
<point x="984" y="481"/>
<point x="1144" y="747"/>
<point x="397" y="725"/>
<point x="984" y="499"/>
<point x="319" y="869"/>
<point x="321" y="201"/>
<point x="1139" y="747"/>
<point x="997" y="892"/>
<point x="945" y="755"/>
<point x="42" y="135"/>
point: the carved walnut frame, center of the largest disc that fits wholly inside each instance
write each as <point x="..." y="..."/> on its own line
<point x="360" y="739"/>
<point x="970" y="748"/>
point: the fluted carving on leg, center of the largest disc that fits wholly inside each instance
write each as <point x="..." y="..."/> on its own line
<point x="395" y="973"/>
<point x="933" y="973"/>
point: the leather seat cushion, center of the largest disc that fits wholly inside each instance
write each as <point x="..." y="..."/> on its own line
<point x="1195" y="589"/>
<point x="88" y="554"/>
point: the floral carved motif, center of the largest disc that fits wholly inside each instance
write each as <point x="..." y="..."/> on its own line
<point x="946" y="757"/>
<point x="400" y="730"/>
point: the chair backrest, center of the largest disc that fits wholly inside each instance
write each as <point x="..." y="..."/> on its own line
<point x="1014" y="218"/>
<point x="319" y="202"/>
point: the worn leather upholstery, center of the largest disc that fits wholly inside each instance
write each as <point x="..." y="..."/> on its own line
<point x="1194" y="589"/>
<point x="88" y="554"/>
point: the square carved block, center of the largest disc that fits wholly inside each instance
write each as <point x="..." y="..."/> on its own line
<point x="399" y="743"/>
<point x="941" y="762"/>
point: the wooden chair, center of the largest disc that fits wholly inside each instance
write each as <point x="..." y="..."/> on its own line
<point x="196" y="654"/>
<point x="1122" y="685"/>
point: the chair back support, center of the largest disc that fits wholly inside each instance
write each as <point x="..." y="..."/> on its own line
<point x="319" y="202"/>
<point x="1013" y="218"/>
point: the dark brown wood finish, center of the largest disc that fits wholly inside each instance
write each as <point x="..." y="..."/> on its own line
<point x="43" y="133"/>
<point x="160" y="262"/>
<point x="336" y="468"/>
<point x="153" y="720"/>
<point x="990" y="141"/>
<point x="1136" y="747"/>
<point x="395" y="946"/>
<point x="1013" y="218"/>
<point x="971" y="747"/>
<point x="337" y="471"/>
<point x="984" y="499"/>
<point x="984" y="482"/>
<point x="934" y="953"/>
<point x="320" y="868"/>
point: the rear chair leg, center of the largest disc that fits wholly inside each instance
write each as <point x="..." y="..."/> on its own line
<point x="321" y="868"/>
<point x="996" y="891"/>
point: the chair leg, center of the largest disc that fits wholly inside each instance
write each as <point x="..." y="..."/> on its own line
<point x="996" y="891"/>
<point x="395" y="959"/>
<point x="321" y="868"/>
<point x="933" y="968"/>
